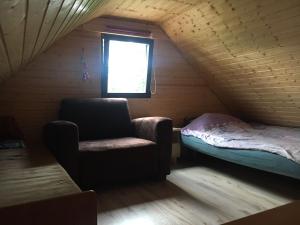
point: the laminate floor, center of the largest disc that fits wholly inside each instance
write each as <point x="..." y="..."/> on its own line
<point x="208" y="192"/>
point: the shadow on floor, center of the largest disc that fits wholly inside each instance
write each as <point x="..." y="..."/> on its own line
<point x="138" y="193"/>
<point x="278" y="184"/>
<point x="142" y="192"/>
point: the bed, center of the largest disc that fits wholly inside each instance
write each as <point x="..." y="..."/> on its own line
<point x="254" y="158"/>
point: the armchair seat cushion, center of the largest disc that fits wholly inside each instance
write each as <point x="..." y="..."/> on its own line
<point x="114" y="144"/>
<point x="106" y="160"/>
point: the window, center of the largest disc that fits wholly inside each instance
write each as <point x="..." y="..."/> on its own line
<point x="126" y="66"/>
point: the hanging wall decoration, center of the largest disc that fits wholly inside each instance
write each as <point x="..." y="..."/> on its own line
<point x="85" y="73"/>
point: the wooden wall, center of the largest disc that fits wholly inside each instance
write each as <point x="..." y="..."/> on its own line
<point x="248" y="51"/>
<point x="34" y="93"/>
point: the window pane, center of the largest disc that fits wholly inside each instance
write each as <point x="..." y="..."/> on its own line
<point x="127" y="67"/>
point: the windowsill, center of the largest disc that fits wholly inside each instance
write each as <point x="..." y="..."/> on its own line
<point x="126" y="95"/>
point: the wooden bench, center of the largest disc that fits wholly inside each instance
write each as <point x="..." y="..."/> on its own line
<point x="35" y="189"/>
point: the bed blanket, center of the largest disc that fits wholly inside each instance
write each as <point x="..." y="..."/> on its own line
<point x="229" y="132"/>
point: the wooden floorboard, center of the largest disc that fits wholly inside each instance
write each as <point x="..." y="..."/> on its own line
<point x="213" y="192"/>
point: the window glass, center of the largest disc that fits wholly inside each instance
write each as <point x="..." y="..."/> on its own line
<point x="126" y="66"/>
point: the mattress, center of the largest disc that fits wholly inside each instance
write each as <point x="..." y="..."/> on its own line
<point x="257" y="159"/>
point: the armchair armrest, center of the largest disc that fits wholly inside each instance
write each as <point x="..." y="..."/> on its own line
<point x="158" y="130"/>
<point x="62" y="138"/>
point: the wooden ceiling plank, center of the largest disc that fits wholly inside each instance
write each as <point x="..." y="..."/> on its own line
<point x="80" y="19"/>
<point x="106" y="8"/>
<point x="25" y="30"/>
<point x="61" y="18"/>
<point x="102" y="5"/>
<point x="178" y="9"/>
<point x="39" y="31"/>
<point x="5" y="64"/>
<point x="89" y="5"/>
<point x="12" y="19"/>
<point x="77" y="13"/>
<point x="35" y="12"/>
<point x="51" y="16"/>
<point x="67" y="20"/>
<point x="234" y="19"/>
<point x="91" y="13"/>
<point x="74" y="12"/>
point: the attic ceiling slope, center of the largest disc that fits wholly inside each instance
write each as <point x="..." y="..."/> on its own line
<point x="248" y="51"/>
<point x="149" y="10"/>
<point x="28" y="27"/>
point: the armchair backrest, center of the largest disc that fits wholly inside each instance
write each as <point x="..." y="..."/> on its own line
<point x="98" y="118"/>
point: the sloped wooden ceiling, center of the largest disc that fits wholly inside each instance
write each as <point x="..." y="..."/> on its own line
<point x="248" y="50"/>
<point x="28" y="27"/>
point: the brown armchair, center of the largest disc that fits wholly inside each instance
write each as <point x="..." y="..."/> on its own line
<point x="96" y="142"/>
